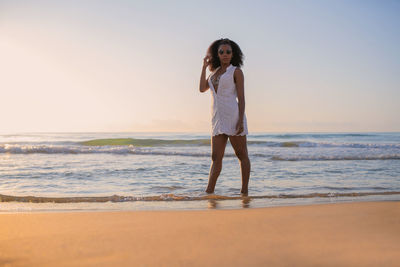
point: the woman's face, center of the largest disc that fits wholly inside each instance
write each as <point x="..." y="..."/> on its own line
<point x="225" y="54"/>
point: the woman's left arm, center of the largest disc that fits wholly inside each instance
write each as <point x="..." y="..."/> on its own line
<point x="239" y="80"/>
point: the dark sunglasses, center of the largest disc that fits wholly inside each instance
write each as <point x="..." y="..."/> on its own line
<point x="228" y="52"/>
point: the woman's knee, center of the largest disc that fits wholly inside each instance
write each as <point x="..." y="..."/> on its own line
<point x="242" y="154"/>
<point x="217" y="156"/>
<point x="218" y="147"/>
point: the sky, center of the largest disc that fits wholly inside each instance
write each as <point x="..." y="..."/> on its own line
<point x="134" y="66"/>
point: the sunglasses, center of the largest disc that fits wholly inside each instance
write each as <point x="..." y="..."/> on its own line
<point x="221" y="52"/>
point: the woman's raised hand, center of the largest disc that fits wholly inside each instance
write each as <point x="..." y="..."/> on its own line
<point x="206" y="61"/>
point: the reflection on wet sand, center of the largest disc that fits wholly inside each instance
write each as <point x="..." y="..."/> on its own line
<point x="215" y="204"/>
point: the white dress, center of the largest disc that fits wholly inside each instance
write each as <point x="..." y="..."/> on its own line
<point x="225" y="108"/>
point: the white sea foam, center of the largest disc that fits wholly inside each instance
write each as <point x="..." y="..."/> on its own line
<point x="130" y="149"/>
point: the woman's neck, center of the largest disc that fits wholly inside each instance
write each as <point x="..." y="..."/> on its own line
<point x="224" y="66"/>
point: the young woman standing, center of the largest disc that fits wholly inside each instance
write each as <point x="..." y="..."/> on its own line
<point x="226" y="82"/>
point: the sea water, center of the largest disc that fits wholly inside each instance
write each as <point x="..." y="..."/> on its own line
<point x="143" y="171"/>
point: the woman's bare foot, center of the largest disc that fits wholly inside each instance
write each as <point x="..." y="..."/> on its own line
<point x="209" y="191"/>
<point x="244" y="193"/>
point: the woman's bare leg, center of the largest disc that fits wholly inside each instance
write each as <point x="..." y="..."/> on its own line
<point x="239" y="144"/>
<point x="218" y="144"/>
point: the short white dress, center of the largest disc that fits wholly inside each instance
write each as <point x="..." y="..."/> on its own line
<point x="225" y="107"/>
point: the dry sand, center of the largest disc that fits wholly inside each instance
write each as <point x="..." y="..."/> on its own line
<point x="345" y="234"/>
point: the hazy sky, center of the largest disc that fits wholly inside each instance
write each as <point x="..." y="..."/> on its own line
<point x="135" y="65"/>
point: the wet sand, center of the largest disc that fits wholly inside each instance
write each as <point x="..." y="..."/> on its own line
<point x="344" y="234"/>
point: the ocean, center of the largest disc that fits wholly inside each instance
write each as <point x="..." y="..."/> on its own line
<point x="147" y="171"/>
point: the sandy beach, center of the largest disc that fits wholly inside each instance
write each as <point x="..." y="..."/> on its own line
<point x="344" y="234"/>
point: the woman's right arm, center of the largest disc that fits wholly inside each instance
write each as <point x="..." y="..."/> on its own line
<point x="204" y="86"/>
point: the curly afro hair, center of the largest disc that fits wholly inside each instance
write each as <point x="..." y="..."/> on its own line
<point x="237" y="55"/>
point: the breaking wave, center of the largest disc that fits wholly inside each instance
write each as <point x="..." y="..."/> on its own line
<point x="130" y="149"/>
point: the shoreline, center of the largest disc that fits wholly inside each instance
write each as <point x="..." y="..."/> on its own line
<point x="11" y="207"/>
<point x="338" y="234"/>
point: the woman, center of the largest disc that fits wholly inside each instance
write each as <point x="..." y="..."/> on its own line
<point x="226" y="82"/>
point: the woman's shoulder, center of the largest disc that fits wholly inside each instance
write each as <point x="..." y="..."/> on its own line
<point x="237" y="70"/>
